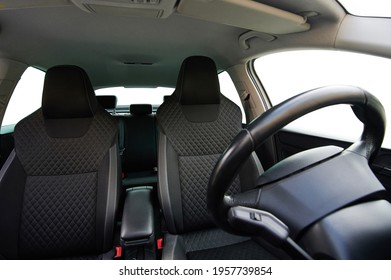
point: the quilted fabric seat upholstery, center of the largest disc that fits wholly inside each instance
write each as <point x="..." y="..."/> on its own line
<point x="59" y="187"/>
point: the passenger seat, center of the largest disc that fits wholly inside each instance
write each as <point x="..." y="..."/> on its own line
<point x="140" y="143"/>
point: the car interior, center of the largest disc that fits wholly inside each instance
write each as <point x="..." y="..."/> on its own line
<point x="89" y="174"/>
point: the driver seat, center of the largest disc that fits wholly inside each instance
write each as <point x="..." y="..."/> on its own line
<point x="196" y="124"/>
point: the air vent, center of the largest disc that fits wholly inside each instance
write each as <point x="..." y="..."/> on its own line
<point x="133" y="8"/>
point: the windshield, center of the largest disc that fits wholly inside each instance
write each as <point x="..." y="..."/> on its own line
<point x="286" y="74"/>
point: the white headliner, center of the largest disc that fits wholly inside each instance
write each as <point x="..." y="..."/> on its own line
<point x="102" y="44"/>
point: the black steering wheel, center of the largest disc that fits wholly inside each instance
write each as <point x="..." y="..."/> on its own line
<point x="303" y="189"/>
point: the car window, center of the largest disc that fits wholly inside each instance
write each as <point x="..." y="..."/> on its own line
<point x="154" y="96"/>
<point x="127" y="96"/>
<point x="376" y="8"/>
<point x="286" y="74"/>
<point x="26" y="98"/>
<point x="228" y="89"/>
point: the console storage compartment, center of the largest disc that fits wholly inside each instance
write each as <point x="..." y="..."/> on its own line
<point x="137" y="228"/>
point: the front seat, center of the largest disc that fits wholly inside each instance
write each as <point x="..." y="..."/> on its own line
<point x="59" y="187"/>
<point x="196" y="124"/>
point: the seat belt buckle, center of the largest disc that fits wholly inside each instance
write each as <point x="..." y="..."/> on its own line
<point x="160" y="244"/>
<point x="118" y="253"/>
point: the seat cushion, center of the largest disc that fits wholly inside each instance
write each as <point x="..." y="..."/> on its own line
<point x="212" y="244"/>
<point x="247" y="250"/>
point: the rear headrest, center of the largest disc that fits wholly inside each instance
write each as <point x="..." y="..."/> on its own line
<point x="141" y="109"/>
<point x="68" y="93"/>
<point x="107" y="101"/>
<point x="198" y="83"/>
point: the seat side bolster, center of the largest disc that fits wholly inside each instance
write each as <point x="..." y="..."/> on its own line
<point x="12" y="183"/>
<point x="108" y="197"/>
<point x="163" y="184"/>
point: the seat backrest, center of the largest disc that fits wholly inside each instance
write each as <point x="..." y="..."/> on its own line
<point x="196" y="124"/>
<point x="140" y="139"/>
<point x="59" y="187"/>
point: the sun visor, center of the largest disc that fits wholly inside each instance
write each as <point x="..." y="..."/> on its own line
<point x="258" y="17"/>
<point x="132" y="8"/>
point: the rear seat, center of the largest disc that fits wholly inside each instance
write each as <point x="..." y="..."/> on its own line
<point x="137" y="143"/>
<point x="140" y="143"/>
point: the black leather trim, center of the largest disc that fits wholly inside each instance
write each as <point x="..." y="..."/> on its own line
<point x="163" y="189"/>
<point x="250" y="172"/>
<point x="198" y="83"/>
<point x="68" y="93"/>
<point x="135" y="179"/>
<point x="169" y="186"/>
<point x="12" y="182"/>
<point x="175" y="187"/>
<point x="107" y="200"/>
<point x="140" y="109"/>
<point x="138" y="216"/>
<point x="113" y="195"/>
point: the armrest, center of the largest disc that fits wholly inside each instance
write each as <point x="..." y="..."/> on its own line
<point x="138" y="217"/>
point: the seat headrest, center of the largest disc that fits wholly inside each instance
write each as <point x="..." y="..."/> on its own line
<point x="198" y="83"/>
<point x="140" y="109"/>
<point x="107" y="101"/>
<point x="68" y="93"/>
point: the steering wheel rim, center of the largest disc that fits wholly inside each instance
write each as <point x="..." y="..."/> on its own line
<point x="365" y="106"/>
